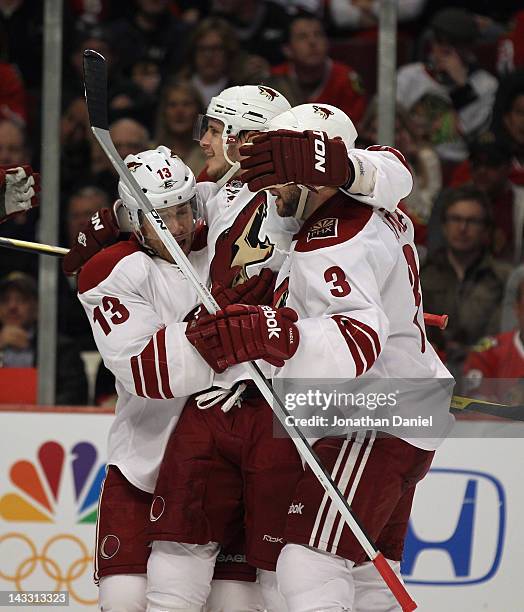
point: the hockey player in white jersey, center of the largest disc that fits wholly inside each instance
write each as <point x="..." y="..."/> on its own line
<point x="243" y="229"/>
<point x="236" y="219"/>
<point x="136" y="299"/>
<point x="352" y="281"/>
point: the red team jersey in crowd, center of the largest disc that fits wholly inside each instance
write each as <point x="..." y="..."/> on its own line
<point x="497" y="357"/>
<point x="341" y="87"/>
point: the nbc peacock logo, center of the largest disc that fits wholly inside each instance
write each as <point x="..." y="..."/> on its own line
<point x="54" y="477"/>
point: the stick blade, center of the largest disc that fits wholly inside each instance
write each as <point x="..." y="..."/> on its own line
<point x="95" y="84"/>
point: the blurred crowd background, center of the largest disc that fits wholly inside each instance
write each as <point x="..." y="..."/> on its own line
<point x="459" y="122"/>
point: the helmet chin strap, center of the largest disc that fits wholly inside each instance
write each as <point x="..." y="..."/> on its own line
<point x="235" y="165"/>
<point x="304" y="192"/>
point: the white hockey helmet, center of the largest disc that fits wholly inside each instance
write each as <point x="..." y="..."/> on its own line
<point x="317" y="117"/>
<point x="164" y="179"/>
<point x="244" y="108"/>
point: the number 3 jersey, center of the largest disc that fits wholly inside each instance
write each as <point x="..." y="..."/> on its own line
<point x="136" y="304"/>
<point x="352" y="276"/>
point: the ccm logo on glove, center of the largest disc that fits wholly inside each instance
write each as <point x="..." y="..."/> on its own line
<point x="320" y="153"/>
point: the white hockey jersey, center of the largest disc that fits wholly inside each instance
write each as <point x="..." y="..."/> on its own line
<point x="246" y="233"/>
<point x="353" y="278"/>
<point x="136" y="304"/>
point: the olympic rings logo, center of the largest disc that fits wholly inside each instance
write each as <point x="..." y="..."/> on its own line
<point x="64" y="580"/>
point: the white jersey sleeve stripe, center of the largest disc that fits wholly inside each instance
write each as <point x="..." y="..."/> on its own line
<point x="372" y="340"/>
<point x="148" y="360"/>
<point x="136" y="369"/>
<point x="162" y="360"/>
<point x="156" y="365"/>
<point x="362" y="340"/>
<point x="150" y="369"/>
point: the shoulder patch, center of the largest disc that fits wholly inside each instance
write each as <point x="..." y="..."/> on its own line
<point x="484" y="344"/>
<point x="325" y="228"/>
<point x="338" y="220"/>
<point x="100" y="266"/>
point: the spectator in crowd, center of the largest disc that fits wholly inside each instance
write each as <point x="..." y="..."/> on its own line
<point x="508" y="121"/>
<point x="310" y="75"/>
<point x="212" y="58"/>
<point x="14" y="151"/>
<point x="151" y="31"/>
<point x="75" y="139"/>
<point x="14" y="148"/>
<point x="260" y="25"/>
<point x="489" y="168"/>
<point x="98" y="39"/>
<point x="89" y="14"/>
<point x="180" y="106"/>
<point x="499" y="357"/>
<point x="364" y="14"/>
<point x="508" y="319"/>
<point x="81" y="206"/>
<point x="462" y="279"/>
<point x="510" y="49"/>
<point x="424" y="164"/>
<point x="449" y="95"/>
<point x="21" y="23"/>
<point x="134" y="94"/>
<point x="145" y="74"/>
<point x="13" y="97"/>
<point x="18" y="341"/>
<point x="72" y="320"/>
<point x="129" y="137"/>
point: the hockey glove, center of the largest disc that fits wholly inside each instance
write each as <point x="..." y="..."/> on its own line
<point x="256" y="290"/>
<point x="18" y="188"/>
<point x="305" y="158"/>
<point x="242" y="333"/>
<point x="100" y="231"/>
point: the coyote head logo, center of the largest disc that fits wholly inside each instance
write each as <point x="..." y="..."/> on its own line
<point x="323" y="111"/>
<point x="270" y="94"/>
<point x="133" y="165"/>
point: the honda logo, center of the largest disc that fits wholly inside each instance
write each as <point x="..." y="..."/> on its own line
<point x="462" y="542"/>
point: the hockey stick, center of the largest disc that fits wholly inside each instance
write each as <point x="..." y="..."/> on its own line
<point x="95" y="81"/>
<point x="460" y="404"/>
<point x="33" y="247"/>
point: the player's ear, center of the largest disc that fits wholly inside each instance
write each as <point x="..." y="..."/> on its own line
<point x="286" y="50"/>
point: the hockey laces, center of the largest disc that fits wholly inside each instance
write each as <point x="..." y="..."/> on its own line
<point x="213" y="397"/>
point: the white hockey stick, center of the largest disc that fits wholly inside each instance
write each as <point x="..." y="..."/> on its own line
<point x="95" y="81"/>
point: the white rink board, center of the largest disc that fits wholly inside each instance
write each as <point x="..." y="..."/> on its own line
<point x="492" y="469"/>
<point x="82" y="439"/>
<point x="491" y="528"/>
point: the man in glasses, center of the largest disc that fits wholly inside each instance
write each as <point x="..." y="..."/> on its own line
<point x="462" y="278"/>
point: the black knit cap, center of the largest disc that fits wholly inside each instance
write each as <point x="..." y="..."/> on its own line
<point x="489" y="151"/>
<point x="455" y="26"/>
